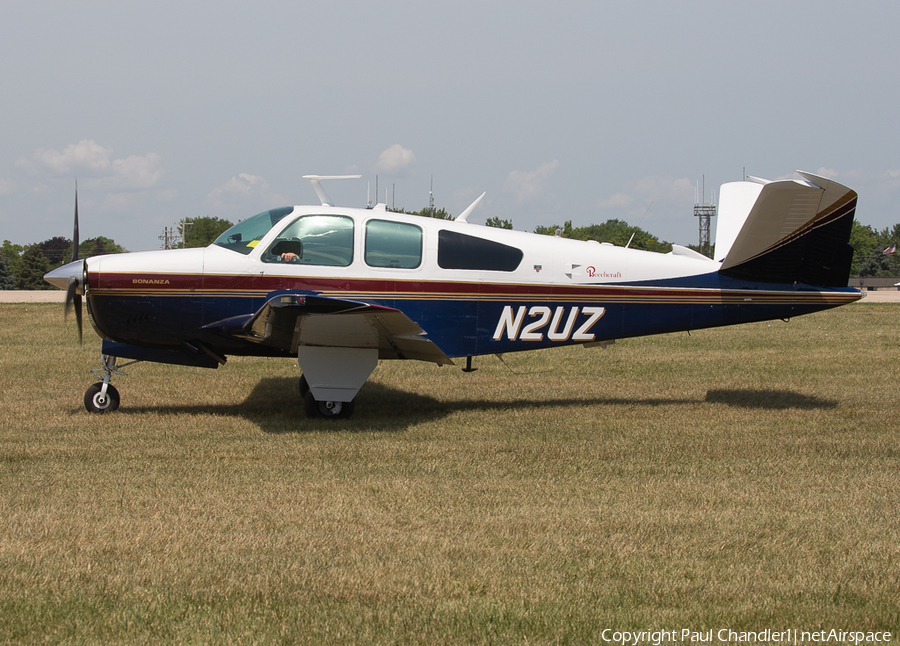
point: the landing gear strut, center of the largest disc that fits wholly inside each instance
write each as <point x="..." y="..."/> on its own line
<point x="103" y="397"/>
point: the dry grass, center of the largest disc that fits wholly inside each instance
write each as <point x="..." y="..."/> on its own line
<point x="742" y="478"/>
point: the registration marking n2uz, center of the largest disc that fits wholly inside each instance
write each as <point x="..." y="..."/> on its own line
<point x="511" y="322"/>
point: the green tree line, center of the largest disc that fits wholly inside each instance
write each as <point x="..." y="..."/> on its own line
<point x="24" y="266"/>
<point x="869" y="246"/>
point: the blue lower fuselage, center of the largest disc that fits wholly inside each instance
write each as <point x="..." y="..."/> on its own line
<point x="462" y="319"/>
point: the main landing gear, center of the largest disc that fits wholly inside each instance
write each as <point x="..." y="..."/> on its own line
<point x="332" y="376"/>
<point x="314" y="408"/>
<point x="103" y="397"/>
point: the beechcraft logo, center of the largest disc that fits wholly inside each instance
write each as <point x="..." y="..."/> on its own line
<point x="593" y="273"/>
<point x="150" y="281"/>
<point x="549" y="321"/>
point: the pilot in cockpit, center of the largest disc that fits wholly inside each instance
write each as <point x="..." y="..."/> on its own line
<point x="287" y="250"/>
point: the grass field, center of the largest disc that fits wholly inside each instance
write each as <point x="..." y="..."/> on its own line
<point x="742" y="478"/>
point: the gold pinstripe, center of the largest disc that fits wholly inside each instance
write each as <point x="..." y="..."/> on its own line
<point x="612" y="294"/>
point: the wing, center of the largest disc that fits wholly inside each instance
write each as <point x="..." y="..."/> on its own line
<point x="288" y="321"/>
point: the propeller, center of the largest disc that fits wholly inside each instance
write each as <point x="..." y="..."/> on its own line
<point x="75" y="285"/>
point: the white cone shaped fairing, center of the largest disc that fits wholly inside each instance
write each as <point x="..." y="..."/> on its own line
<point x="60" y="276"/>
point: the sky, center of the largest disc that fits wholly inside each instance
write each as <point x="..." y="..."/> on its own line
<point x="581" y="111"/>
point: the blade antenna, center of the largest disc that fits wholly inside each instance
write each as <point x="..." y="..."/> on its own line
<point x="639" y="224"/>
<point x="320" y="192"/>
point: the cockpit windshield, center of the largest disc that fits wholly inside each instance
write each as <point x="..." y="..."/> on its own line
<point x="244" y="236"/>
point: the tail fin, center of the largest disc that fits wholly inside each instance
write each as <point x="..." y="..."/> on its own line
<point x="794" y="231"/>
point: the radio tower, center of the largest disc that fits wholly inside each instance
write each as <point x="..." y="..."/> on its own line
<point x="705" y="211"/>
<point x="431" y="197"/>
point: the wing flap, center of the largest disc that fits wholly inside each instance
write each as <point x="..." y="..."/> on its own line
<point x="289" y="321"/>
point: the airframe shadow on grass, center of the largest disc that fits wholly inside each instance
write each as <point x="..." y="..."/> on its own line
<point x="769" y="399"/>
<point x="274" y="405"/>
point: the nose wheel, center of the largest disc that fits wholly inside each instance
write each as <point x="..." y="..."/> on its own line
<point x="101" y="398"/>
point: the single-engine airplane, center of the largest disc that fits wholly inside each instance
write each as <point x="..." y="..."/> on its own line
<point x="341" y="288"/>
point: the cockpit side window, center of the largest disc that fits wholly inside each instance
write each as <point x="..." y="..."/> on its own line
<point x="244" y="236"/>
<point x="393" y="244"/>
<point x="314" y="240"/>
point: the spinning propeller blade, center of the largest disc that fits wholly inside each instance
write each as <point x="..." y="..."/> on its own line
<point x="75" y="286"/>
<point x="75" y="233"/>
<point x="74" y="297"/>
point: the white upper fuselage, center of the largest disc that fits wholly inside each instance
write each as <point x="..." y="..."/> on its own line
<point x="546" y="260"/>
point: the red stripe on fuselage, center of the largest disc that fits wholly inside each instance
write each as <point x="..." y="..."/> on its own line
<point x="221" y="285"/>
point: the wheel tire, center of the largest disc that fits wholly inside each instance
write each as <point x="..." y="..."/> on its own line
<point x="327" y="409"/>
<point x="95" y="404"/>
<point x="304" y="386"/>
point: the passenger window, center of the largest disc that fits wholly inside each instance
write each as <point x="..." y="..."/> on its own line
<point x="459" y="251"/>
<point x="314" y="240"/>
<point x="393" y="244"/>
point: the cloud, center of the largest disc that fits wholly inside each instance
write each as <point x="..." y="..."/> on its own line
<point x="96" y="162"/>
<point x="884" y="184"/>
<point x="87" y="157"/>
<point x="617" y="201"/>
<point x="657" y="189"/>
<point x="6" y="187"/>
<point x="395" y="160"/>
<point x="528" y="185"/>
<point x="244" y="189"/>
<point x="135" y="172"/>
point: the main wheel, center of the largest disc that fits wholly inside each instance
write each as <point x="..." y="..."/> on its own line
<point x="95" y="402"/>
<point x="329" y="409"/>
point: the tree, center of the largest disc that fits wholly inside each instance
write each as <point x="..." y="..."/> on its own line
<point x="7" y="278"/>
<point x="99" y="246"/>
<point x="696" y="247"/>
<point x="204" y="230"/>
<point x="879" y="265"/>
<point x="32" y="267"/>
<point x="431" y="212"/>
<point x="864" y="240"/>
<point x="868" y="247"/>
<point x="12" y="254"/>
<point x="498" y="223"/>
<point x="617" y="232"/>
<point x="57" y="250"/>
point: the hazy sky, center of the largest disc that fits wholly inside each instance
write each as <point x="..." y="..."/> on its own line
<point x="581" y="111"/>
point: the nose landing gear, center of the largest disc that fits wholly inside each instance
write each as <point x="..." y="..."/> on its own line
<point x="103" y="397"/>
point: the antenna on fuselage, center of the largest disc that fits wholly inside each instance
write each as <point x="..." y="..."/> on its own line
<point x="639" y="224"/>
<point x="320" y="192"/>
<point x="465" y="214"/>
